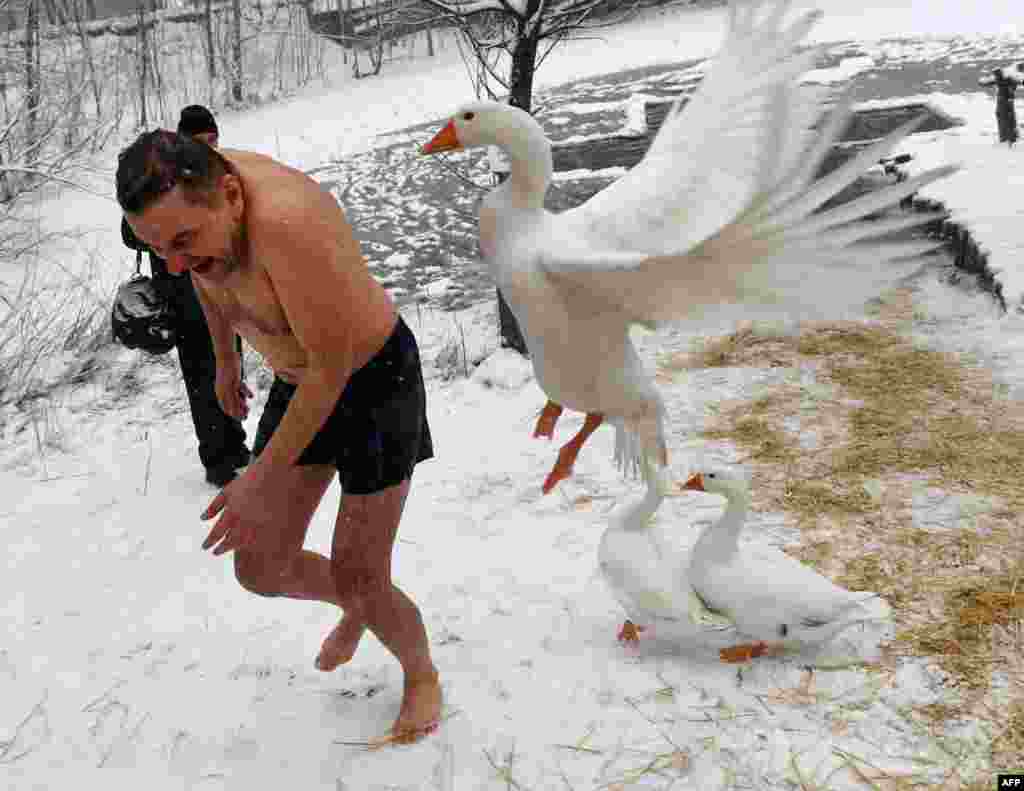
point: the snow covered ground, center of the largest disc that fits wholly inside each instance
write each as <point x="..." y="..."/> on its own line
<point x="132" y="659"/>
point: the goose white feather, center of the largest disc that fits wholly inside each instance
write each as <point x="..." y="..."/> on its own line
<point x="771" y="597"/>
<point x="719" y="214"/>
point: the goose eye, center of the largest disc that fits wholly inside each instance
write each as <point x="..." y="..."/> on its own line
<point x="711" y="475"/>
<point x="468" y="116"/>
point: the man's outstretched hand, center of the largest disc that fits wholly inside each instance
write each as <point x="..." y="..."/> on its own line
<point x="242" y="510"/>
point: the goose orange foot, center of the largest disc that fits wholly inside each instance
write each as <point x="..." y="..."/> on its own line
<point x="569" y="451"/>
<point x="561" y="470"/>
<point x="630" y="632"/>
<point x="744" y="652"/>
<point x="548" y="418"/>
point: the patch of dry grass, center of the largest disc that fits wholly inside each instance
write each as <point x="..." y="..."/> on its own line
<point x="764" y="441"/>
<point x="744" y="346"/>
<point x="907" y="418"/>
<point x="811" y="497"/>
<point x="1008" y="748"/>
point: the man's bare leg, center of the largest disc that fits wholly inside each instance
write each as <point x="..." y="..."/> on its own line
<point x="309" y="577"/>
<point x="340" y="645"/>
<point x="267" y="570"/>
<point x="361" y="556"/>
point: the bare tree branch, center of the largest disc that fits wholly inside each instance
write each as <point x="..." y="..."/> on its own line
<point x="577" y="17"/>
<point x="461" y="9"/>
<point x="534" y="22"/>
<point x="7" y="746"/>
<point x="481" y="55"/>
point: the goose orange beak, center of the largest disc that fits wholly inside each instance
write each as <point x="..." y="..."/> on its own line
<point x="695" y="483"/>
<point x="445" y="140"/>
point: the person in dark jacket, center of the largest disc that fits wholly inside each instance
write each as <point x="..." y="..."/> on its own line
<point x="1006" y="82"/>
<point x="1006" y="115"/>
<point x="222" y="448"/>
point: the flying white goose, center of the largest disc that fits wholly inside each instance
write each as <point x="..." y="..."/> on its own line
<point x="774" y="600"/>
<point x="719" y="214"/>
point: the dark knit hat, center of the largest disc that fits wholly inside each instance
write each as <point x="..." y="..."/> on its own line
<point x="196" y="119"/>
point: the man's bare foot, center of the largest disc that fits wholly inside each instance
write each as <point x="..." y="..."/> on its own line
<point x="340" y="645"/>
<point x="421" y="710"/>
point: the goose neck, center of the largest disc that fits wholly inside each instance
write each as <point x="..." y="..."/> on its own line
<point x="530" y="169"/>
<point x="638" y="515"/>
<point x="722" y="538"/>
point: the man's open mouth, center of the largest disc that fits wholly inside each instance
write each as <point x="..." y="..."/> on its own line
<point x="204" y="267"/>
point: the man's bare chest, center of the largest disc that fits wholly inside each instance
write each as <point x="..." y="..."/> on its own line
<point x="250" y="302"/>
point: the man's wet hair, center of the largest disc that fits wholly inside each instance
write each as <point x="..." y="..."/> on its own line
<point x="160" y="160"/>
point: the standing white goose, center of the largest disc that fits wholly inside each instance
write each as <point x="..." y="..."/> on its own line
<point x="718" y="213"/>
<point x="773" y="599"/>
<point x="650" y="581"/>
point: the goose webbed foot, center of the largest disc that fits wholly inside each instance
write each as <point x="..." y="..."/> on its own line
<point x="630" y="632"/>
<point x="567" y="453"/>
<point x="546" y="421"/>
<point x="745" y="652"/>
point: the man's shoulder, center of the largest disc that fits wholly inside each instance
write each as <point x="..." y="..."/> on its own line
<point x="283" y="214"/>
<point x="260" y="170"/>
<point x="288" y="201"/>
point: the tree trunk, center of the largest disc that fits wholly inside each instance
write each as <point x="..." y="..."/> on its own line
<point x="143" y="64"/>
<point x="90" y="9"/>
<point x="6" y="193"/>
<point x="74" y="119"/>
<point x="350" y="27"/>
<point x="391" y="32"/>
<point x="355" y="46"/>
<point x="524" y="58"/>
<point x="341" y="32"/>
<point x="508" y="327"/>
<point x="33" y="85"/>
<point x="377" y="49"/>
<point x="154" y="62"/>
<point x="430" y="42"/>
<point x="51" y="11"/>
<point x="90" y="62"/>
<point x="236" y="50"/>
<point x="211" y="47"/>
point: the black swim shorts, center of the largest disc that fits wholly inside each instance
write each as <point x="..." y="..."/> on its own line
<point x="378" y="430"/>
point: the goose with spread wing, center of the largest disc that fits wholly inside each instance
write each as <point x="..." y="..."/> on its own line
<point x="719" y="214"/>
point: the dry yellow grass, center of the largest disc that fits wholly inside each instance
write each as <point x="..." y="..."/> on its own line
<point x="905" y="418"/>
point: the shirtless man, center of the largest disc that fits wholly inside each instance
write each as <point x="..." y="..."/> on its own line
<point x="273" y="258"/>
